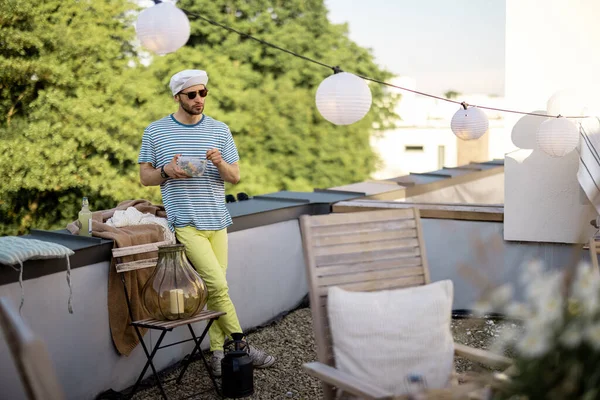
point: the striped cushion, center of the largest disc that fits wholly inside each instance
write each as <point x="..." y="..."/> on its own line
<point x="15" y="250"/>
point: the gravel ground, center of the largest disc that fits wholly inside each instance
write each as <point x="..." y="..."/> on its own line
<point x="290" y="340"/>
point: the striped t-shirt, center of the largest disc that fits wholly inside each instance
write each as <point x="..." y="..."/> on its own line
<point x="197" y="201"/>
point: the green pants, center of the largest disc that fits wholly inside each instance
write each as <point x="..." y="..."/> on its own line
<point x="207" y="251"/>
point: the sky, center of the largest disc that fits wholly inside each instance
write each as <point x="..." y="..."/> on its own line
<point x="443" y="44"/>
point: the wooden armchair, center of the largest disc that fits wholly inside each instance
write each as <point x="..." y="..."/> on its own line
<point x="364" y="251"/>
<point x="31" y="356"/>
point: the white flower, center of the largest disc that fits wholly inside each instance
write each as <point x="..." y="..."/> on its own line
<point x="572" y="336"/>
<point x="545" y="285"/>
<point x="508" y="336"/>
<point x="535" y="343"/>
<point x="532" y="270"/>
<point x="550" y="308"/>
<point x="592" y="335"/>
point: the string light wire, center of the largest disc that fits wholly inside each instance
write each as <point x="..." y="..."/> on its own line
<point x="337" y="69"/>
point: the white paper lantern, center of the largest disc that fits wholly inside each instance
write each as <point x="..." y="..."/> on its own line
<point x="568" y="103"/>
<point x="343" y="98"/>
<point x="557" y="137"/>
<point x="469" y="124"/>
<point x="163" y="28"/>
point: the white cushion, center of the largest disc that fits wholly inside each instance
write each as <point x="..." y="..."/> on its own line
<point x="382" y="337"/>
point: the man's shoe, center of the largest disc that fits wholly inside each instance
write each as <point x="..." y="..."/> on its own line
<point x="259" y="358"/>
<point x="215" y="362"/>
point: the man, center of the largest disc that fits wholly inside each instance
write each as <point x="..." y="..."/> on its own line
<point x="195" y="206"/>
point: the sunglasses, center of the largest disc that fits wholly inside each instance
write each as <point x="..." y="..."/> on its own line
<point x="192" y="95"/>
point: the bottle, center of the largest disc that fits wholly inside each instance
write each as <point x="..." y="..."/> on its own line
<point x="85" y="218"/>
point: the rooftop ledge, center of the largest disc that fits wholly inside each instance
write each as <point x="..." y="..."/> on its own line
<point x="286" y="205"/>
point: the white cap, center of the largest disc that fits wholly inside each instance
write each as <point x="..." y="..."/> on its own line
<point x="187" y="78"/>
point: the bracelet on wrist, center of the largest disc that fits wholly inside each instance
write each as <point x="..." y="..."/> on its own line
<point x="163" y="173"/>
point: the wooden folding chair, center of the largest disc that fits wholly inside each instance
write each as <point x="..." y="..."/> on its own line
<point x="163" y="326"/>
<point x="364" y="251"/>
<point x="31" y="356"/>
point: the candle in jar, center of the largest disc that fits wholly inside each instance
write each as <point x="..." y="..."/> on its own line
<point x="176" y="301"/>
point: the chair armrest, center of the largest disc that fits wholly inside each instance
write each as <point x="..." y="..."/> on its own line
<point x="482" y="356"/>
<point x="346" y="382"/>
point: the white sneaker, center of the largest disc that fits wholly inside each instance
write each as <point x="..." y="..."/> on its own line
<point x="259" y="358"/>
<point x="215" y="362"/>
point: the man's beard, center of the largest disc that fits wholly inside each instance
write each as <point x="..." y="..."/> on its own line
<point x="191" y="110"/>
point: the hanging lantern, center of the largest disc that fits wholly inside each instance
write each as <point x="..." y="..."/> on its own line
<point x="163" y="28"/>
<point x="343" y="98"/>
<point x="469" y="123"/>
<point x="567" y="102"/>
<point x="557" y="136"/>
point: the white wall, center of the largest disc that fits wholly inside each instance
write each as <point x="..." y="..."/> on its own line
<point x="550" y="46"/>
<point x="397" y="161"/>
<point x="266" y="277"/>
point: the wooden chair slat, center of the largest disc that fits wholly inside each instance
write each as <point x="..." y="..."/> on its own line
<point x="353" y="218"/>
<point x="359" y="237"/>
<point x="135" y="265"/>
<point x="202" y="316"/>
<point x="364" y="227"/>
<point x="381" y="284"/>
<point x="369" y="266"/>
<point x="342" y="279"/>
<point x="367" y="256"/>
<point x="138" y="249"/>
<point x="366" y="246"/>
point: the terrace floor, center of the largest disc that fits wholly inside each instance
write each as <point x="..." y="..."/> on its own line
<point x="290" y="340"/>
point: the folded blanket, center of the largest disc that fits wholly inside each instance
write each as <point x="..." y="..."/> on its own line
<point x="123" y="335"/>
<point x="132" y="216"/>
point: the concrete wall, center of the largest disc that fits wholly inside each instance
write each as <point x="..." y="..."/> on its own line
<point x="468" y="252"/>
<point x="266" y="277"/>
<point x="543" y="200"/>
<point x="548" y="48"/>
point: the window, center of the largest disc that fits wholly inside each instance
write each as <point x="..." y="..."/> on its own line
<point x="413" y="148"/>
<point x="441" y="156"/>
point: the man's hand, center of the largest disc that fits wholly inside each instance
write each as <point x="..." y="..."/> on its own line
<point x="173" y="170"/>
<point x="229" y="172"/>
<point x="214" y="155"/>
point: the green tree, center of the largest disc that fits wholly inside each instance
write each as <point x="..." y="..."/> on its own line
<point x="267" y="97"/>
<point x="74" y="100"/>
<point x="70" y="110"/>
<point x="451" y="94"/>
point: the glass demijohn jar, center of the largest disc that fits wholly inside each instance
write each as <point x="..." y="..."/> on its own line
<point x="174" y="290"/>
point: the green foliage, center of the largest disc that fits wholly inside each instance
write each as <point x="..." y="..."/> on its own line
<point x="74" y="100"/>
<point x="451" y="94"/>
